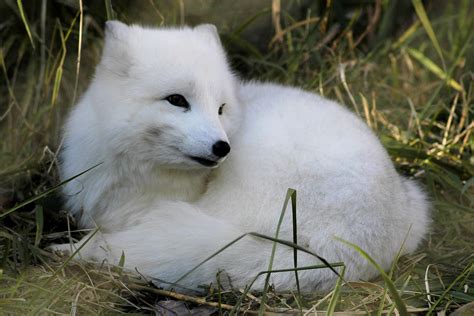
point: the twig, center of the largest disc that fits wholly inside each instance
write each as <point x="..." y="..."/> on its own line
<point x="276" y="10"/>
<point x="373" y="21"/>
<point x="427" y="287"/>
<point x="342" y="75"/>
<point x="278" y="36"/>
<point x="182" y="297"/>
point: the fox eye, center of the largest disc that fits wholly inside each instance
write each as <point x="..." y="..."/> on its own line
<point x="178" y="100"/>
<point x="221" y="109"/>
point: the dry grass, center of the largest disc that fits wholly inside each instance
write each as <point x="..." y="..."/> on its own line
<point x="413" y="87"/>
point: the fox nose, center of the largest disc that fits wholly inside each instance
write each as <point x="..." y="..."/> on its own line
<point x="221" y="148"/>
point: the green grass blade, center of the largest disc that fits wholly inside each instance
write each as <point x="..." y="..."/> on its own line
<point x="79" y="51"/>
<point x="292" y="245"/>
<point x="304" y="268"/>
<point x="39" y="224"/>
<point x="295" y="239"/>
<point x="335" y="296"/>
<point x="468" y="271"/>
<point x="402" y="309"/>
<point x="390" y="274"/>
<point x="109" y="10"/>
<point x="280" y="241"/>
<point x="121" y="263"/>
<point x="59" y="70"/>
<point x="25" y="22"/>
<point x="406" y="35"/>
<point x="57" y="83"/>
<point x="290" y="194"/>
<point x="209" y="258"/>
<point x="435" y="95"/>
<point x="74" y="254"/>
<point x="431" y="66"/>
<point x="243" y="26"/>
<point x="425" y="21"/>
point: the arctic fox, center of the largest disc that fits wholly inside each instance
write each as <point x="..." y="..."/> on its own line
<point x="163" y="113"/>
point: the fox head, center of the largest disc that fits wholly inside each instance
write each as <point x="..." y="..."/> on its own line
<point x="165" y="96"/>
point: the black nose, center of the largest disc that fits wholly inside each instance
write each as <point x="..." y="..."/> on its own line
<point x="220" y="148"/>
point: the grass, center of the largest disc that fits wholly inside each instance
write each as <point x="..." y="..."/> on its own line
<point x="412" y="86"/>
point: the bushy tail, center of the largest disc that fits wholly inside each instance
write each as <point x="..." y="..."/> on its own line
<point x="418" y="209"/>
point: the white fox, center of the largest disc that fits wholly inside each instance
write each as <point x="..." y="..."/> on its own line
<point x="161" y="115"/>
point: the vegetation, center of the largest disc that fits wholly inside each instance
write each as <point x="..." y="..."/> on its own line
<point x="405" y="67"/>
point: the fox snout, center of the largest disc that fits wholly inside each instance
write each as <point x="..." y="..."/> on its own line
<point x="220" y="149"/>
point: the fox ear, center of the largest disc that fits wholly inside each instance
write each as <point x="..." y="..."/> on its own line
<point x="209" y="29"/>
<point x="116" y="57"/>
